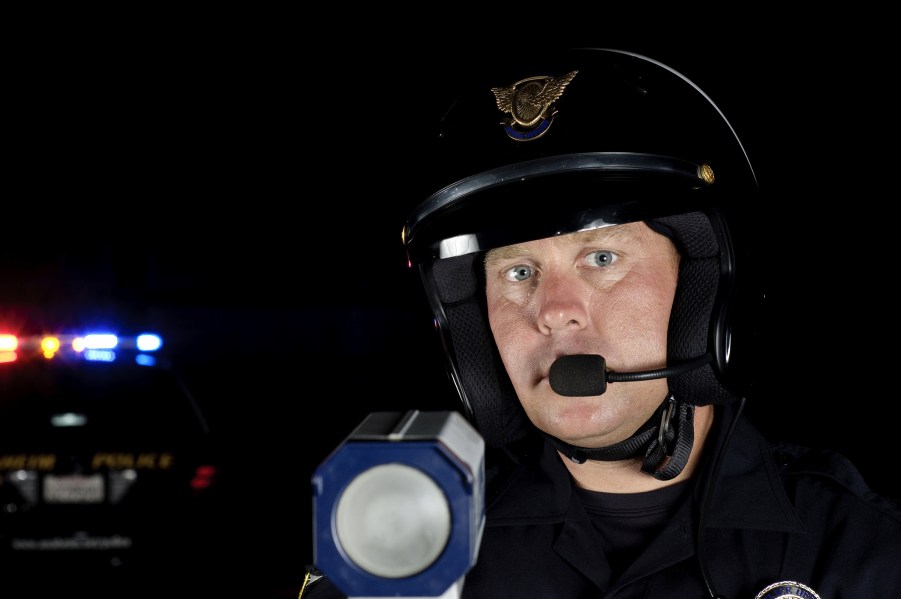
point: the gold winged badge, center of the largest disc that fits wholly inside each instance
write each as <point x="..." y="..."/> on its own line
<point x="530" y="103"/>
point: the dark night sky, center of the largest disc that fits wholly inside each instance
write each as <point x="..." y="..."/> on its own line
<point x="267" y="180"/>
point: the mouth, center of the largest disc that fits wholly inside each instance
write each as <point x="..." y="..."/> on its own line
<point x="583" y="375"/>
<point x="544" y="365"/>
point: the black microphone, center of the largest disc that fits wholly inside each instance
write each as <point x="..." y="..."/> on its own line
<point x="584" y="375"/>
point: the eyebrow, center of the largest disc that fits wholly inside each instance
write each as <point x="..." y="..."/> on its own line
<point x="592" y="236"/>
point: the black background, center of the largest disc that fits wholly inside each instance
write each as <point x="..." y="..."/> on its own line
<point x="241" y="190"/>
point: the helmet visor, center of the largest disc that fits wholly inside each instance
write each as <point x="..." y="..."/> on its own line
<point x="553" y="196"/>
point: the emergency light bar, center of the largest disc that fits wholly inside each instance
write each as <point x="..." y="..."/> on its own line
<point x="93" y="346"/>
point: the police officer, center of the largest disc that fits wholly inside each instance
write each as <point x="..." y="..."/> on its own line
<point x="586" y="249"/>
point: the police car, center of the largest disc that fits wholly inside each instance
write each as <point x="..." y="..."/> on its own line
<point x="107" y="464"/>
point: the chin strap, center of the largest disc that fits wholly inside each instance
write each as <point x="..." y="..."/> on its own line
<point x="665" y="441"/>
<point x="669" y="451"/>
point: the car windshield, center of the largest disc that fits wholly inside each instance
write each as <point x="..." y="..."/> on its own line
<point x="103" y="399"/>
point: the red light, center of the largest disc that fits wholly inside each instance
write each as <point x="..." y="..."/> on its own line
<point x="8" y="342"/>
<point x="200" y="483"/>
<point x="203" y="477"/>
<point x="206" y="471"/>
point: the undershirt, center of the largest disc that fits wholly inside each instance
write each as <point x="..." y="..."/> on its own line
<point x="626" y="523"/>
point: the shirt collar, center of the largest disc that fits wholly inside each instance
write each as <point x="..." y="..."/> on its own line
<point x="748" y="492"/>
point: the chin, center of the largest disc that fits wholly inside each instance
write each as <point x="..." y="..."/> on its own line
<point x="571" y="417"/>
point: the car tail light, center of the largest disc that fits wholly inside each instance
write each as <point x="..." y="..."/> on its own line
<point x="203" y="477"/>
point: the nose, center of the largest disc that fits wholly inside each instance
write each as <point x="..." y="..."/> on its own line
<point x="563" y="303"/>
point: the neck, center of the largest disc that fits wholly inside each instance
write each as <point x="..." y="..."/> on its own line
<point x="625" y="476"/>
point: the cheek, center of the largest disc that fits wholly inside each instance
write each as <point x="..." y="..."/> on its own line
<point x="637" y="310"/>
<point x="509" y="325"/>
<point x="502" y="312"/>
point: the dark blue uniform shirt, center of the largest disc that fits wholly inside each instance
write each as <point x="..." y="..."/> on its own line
<point x="777" y="513"/>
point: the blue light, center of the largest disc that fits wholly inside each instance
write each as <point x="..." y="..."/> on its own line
<point x="149" y="342"/>
<point x="99" y="355"/>
<point x="100" y="341"/>
<point x="145" y="360"/>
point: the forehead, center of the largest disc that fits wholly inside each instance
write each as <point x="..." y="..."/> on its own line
<point x="620" y="235"/>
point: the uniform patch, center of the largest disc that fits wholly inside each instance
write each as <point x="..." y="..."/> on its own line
<point x="787" y="589"/>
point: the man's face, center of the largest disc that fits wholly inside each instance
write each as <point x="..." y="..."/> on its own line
<point x="607" y="291"/>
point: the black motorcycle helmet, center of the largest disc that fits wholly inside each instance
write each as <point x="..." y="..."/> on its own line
<point x="565" y="141"/>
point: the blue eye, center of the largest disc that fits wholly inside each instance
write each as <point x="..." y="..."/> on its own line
<point x="601" y="258"/>
<point x="519" y="273"/>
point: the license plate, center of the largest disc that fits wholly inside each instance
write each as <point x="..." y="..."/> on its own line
<point x="73" y="488"/>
